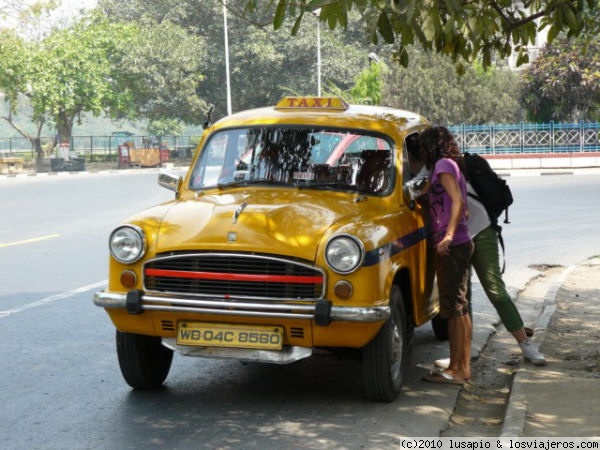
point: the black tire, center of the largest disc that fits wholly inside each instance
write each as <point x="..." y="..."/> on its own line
<point x="440" y="328"/>
<point x="385" y="356"/>
<point x="144" y="361"/>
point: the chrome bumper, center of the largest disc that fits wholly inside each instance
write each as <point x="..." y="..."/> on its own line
<point x="321" y="312"/>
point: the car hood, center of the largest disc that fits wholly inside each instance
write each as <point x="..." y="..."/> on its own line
<point x="287" y="222"/>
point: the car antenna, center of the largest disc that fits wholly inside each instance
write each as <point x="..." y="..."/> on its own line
<point x="208" y="122"/>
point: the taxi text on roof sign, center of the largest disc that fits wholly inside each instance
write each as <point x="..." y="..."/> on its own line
<point x="331" y="103"/>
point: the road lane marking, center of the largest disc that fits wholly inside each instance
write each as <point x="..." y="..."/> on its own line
<point x="29" y="241"/>
<point x="53" y="298"/>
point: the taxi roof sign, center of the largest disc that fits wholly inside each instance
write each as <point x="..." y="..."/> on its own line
<point x="314" y="103"/>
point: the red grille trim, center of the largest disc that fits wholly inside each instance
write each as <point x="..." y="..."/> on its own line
<point x="233" y="276"/>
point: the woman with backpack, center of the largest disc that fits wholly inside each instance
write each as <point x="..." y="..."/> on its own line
<point x="448" y="212"/>
<point x="485" y="261"/>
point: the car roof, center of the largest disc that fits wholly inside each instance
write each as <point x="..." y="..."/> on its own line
<point x="368" y="117"/>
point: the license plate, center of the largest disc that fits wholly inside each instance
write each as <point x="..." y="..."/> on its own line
<point x="226" y="335"/>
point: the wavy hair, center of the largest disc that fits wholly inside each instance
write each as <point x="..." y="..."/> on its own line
<point x="438" y="142"/>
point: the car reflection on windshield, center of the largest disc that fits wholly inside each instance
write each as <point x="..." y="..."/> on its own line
<point x="345" y="160"/>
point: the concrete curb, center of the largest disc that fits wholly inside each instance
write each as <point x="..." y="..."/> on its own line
<point x="516" y="408"/>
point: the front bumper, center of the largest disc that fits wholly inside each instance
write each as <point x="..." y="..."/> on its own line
<point x="321" y="311"/>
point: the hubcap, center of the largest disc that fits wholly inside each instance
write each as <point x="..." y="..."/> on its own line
<point x="396" y="352"/>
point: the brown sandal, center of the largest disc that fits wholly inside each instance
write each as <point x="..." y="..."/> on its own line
<point x="436" y="376"/>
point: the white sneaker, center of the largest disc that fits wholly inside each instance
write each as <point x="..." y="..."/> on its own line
<point x="531" y="353"/>
<point x="443" y="363"/>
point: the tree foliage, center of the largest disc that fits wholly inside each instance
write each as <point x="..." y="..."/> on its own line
<point x="163" y="127"/>
<point x="465" y="31"/>
<point x="161" y="67"/>
<point x="431" y="87"/>
<point x="164" y="61"/>
<point x="264" y="64"/>
<point x="14" y="55"/>
<point x="267" y="64"/>
<point x="368" y="84"/>
<point x="123" y="70"/>
<point x="72" y="72"/>
<point x="65" y="75"/>
<point x="563" y="83"/>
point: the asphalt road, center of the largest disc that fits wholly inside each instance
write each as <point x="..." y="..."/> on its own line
<point x="60" y="385"/>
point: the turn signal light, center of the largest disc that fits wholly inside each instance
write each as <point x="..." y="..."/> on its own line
<point x="128" y="279"/>
<point x="343" y="289"/>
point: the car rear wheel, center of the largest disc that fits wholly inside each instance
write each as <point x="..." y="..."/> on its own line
<point x="385" y="356"/>
<point x="144" y="361"/>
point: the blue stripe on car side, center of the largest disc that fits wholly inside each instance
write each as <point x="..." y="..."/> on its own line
<point x="388" y="250"/>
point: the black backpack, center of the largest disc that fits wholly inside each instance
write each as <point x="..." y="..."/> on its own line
<point x="492" y="191"/>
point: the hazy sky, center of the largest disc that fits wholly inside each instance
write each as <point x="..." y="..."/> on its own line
<point x="72" y="7"/>
<point x="66" y="12"/>
<point x="75" y="5"/>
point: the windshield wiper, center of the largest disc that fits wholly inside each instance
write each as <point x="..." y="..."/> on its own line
<point x="248" y="182"/>
<point x="329" y="184"/>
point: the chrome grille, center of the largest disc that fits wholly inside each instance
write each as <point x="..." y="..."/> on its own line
<point x="233" y="276"/>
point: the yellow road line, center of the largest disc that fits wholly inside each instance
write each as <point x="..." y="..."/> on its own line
<point x="29" y="241"/>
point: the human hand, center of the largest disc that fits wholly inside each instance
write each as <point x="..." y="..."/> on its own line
<point x="443" y="247"/>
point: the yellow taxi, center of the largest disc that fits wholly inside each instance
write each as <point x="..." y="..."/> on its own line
<point x="295" y="229"/>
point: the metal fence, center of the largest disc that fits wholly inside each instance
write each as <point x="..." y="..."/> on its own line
<point x="485" y="139"/>
<point x="529" y="138"/>
<point x="103" y="148"/>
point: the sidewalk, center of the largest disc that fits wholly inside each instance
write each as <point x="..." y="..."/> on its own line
<point x="563" y="397"/>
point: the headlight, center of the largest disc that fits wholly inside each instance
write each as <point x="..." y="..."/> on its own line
<point x="127" y="244"/>
<point x="344" y="253"/>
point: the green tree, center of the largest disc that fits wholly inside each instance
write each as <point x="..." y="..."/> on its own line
<point x="15" y="63"/>
<point x="122" y="70"/>
<point x="72" y="73"/>
<point x="165" y="127"/>
<point x="267" y="64"/>
<point x="368" y="84"/>
<point x="161" y="67"/>
<point x="465" y="31"/>
<point x="264" y="64"/>
<point x="431" y="87"/>
<point x="67" y="74"/>
<point x="563" y="83"/>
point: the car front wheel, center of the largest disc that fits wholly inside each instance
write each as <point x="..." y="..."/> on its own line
<point x="144" y="361"/>
<point x="385" y="356"/>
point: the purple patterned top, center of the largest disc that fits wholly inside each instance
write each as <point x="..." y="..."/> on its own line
<point x="441" y="203"/>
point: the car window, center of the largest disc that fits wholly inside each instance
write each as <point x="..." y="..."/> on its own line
<point x="412" y="160"/>
<point x="314" y="158"/>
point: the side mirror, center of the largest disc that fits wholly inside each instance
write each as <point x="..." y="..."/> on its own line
<point x="415" y="188"/>
<point x="170" y="181"/>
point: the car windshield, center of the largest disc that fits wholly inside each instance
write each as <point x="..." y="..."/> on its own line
<point x="318" y="158"/>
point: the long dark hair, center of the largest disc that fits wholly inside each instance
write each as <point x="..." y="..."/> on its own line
<point x="438" y="142"/>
